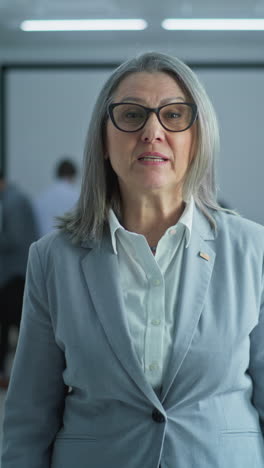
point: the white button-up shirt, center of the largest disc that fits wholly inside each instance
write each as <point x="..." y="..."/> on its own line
<point x="150" y="289"/>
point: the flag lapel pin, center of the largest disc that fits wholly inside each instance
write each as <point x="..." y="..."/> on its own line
<point x="204" y="255"/>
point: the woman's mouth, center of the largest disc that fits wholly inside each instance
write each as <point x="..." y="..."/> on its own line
<point x="149" y="158"/>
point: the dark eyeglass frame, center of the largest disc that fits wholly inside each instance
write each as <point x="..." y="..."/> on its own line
<point x="156" y="111"/>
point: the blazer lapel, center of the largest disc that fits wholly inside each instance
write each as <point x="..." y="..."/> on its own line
<point x="100" y="267"/>
<point x="196" y="273"/>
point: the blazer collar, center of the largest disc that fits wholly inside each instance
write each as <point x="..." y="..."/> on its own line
<point x="202" y="225"/>
<point x="196" y="272"/>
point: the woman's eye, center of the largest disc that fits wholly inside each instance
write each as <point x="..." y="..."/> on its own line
<point x="133" y="115"/>
<point x="173" y="115"/>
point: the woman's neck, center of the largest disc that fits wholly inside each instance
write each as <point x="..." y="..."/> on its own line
<point x="151" y="217"/>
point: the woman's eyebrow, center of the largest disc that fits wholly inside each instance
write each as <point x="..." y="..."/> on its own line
<point x="172" y="99"/>
<point x="142" y="101"/>
<point x="132" y="98"/>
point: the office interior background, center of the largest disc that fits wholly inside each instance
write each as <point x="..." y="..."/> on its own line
<point x="49" y="80"/>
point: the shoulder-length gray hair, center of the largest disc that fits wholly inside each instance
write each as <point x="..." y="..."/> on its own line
<point x="100" y="190"/>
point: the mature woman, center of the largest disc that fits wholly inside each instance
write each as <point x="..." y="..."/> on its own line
<point x="142" y="337"/>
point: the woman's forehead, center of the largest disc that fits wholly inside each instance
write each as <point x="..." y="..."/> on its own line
<point x="140" y="84"/>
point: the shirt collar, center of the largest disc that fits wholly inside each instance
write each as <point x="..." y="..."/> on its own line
<point x="114" y="225"/>
<point x="185" y="219"/>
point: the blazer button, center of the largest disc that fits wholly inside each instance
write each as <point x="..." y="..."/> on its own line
<point x="157" y="416"/>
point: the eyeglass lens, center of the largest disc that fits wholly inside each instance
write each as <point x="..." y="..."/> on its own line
<point x="175" y="116"/>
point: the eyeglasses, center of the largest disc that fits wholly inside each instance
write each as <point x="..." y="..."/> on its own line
<point x="174" y="117"/>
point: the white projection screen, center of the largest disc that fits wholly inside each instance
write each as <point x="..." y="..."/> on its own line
<point x="47" y="111"/>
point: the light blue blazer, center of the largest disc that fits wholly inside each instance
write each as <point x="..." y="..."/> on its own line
<point x="78" y="397"/>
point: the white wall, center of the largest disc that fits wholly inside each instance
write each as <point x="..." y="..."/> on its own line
<point x="48" y="112"/>
<point x="238" y="97"/>
<point x="201" y="48"/>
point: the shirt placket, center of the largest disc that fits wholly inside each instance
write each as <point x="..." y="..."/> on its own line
<point x="155" y="300"/>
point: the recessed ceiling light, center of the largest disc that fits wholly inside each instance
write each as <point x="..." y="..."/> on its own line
<point x="214" y="24"/>
<point x="85" y="25"/>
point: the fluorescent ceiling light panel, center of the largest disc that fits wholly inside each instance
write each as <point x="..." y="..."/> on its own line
<point x="213" y="24"/>
<point x="85" y="25"/>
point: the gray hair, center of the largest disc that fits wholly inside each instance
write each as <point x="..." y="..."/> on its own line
<point x="100" y="190"/>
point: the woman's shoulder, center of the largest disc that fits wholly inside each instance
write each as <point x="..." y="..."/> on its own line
<point x="55" y="245"/>
<point x="53" y="239"/>
<point x="237" y="227"/>
<point x="237" y="220"/>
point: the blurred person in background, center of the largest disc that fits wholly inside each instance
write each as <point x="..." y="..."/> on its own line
<point x="60" y="197"/>
<point x="17" y="231"/>
<point x="144" y="312"/>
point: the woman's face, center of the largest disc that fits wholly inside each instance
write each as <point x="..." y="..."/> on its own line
<point x="127" y="152"/>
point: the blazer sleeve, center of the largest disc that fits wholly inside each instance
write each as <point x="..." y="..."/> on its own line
<point x="35" y="398"/>
<point x="256" y="365"/>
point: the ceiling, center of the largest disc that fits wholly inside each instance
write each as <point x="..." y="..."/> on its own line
<point x="13" y="12"/>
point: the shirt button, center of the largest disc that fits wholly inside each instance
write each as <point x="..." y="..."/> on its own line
<point x="153" y="366"/>
<point x="157" y="416"/>
<point x="155" y="322"/>
<point x="156" y="282"/>
<point x="172" y="231"/>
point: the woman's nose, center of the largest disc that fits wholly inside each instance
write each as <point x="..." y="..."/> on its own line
<point x="152" y="130"/>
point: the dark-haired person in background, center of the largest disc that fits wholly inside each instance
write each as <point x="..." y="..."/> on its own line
<point x="17" y="231"/>
<point x="142" y="335"/>
<point x="60" y="197"/>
